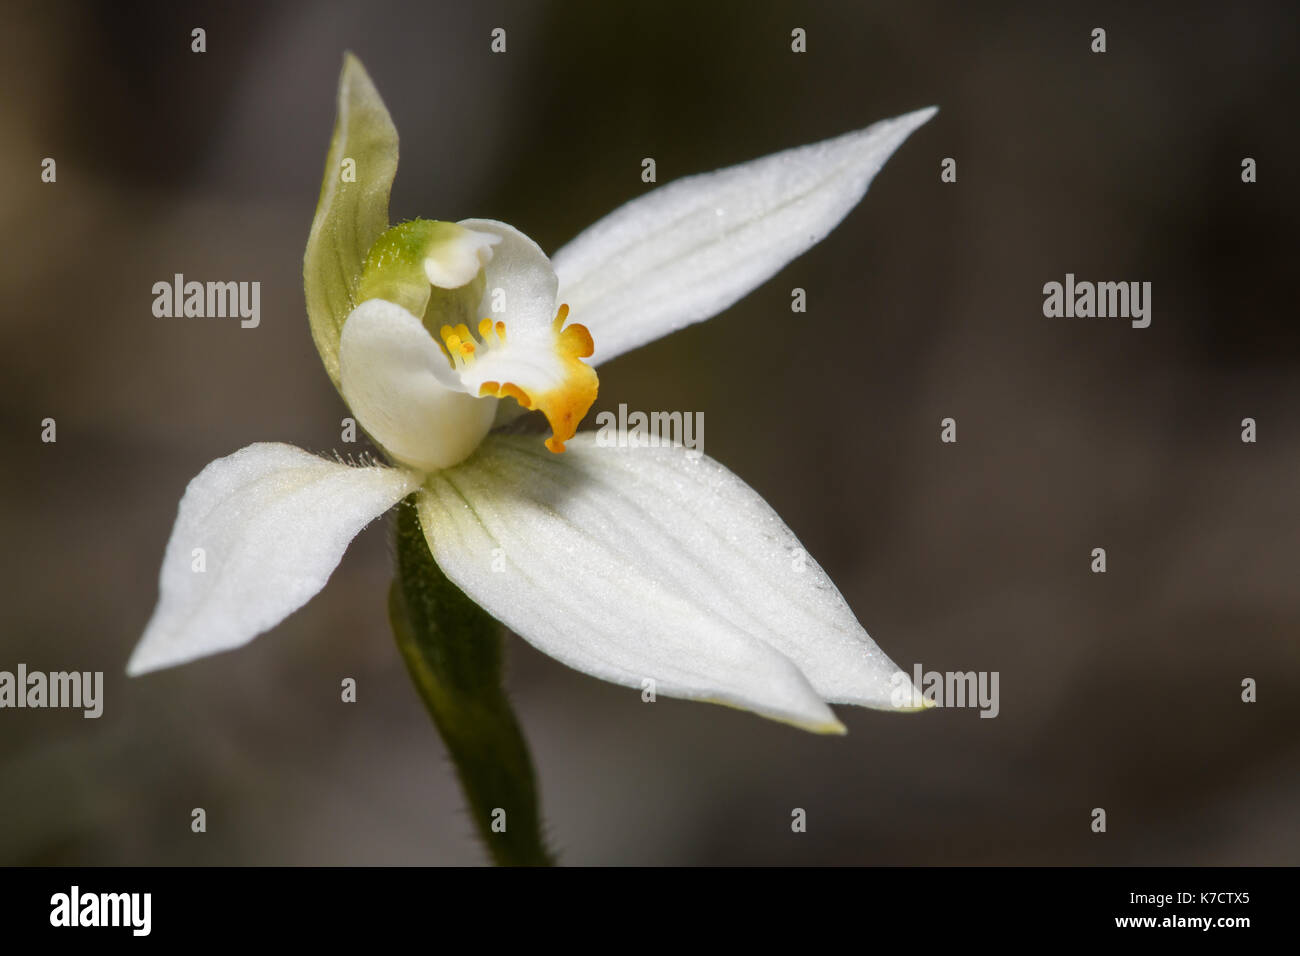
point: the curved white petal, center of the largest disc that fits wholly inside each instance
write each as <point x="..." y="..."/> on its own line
<point x="642" y="563"/>
<point x="402" y="389"/>
<point x="521" y="283"/>
<point x="686" y="251"/>
<point x="257" y="535"/>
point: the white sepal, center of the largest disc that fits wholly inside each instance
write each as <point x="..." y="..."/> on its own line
<point x="650" y="564"/>
<point x="257" y="535"/>
<point x="685" y="251"/>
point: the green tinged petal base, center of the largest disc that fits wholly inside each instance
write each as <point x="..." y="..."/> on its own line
<point x="394" y="271"/>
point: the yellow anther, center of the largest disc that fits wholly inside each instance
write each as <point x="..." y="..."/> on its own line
<point x="561" y="314"/>
<point x="565" y="386"/>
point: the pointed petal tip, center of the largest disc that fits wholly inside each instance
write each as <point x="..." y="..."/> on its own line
<point x="908" y="700"/>
<point x="905" y="124"/>
<point x="357" y="90"/>
<point x="831" y="729"/>
<point x="158" y="650"/>
<point x="923" y="115"/>
<point x="917" y="709"/>
<point x="815" y="717"/>
<point x="149" y="656"/>
<point x="138" y="663"/>
<point x="352" y="63"/>
<point x="352" y="71"/>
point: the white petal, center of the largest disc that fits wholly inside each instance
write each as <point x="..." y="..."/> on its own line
<point x="686" y="251"/>
<point x="402" y="389"/>
<point x="272" y="522"/>
<point x="520" y="279"/>
<point x="642" y="563"/>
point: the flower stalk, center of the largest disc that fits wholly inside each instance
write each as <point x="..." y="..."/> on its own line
<point x="454" y="652"/>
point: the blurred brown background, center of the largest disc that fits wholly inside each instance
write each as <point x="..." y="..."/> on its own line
<point x="1119" y="691"/>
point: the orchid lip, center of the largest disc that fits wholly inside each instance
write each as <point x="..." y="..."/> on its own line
<point x="563" y="393"/>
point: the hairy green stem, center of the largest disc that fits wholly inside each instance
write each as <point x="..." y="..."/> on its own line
<point x="454" y="651"/>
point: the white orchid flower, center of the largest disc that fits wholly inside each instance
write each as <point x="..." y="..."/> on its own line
<point x="630" y="564"/>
